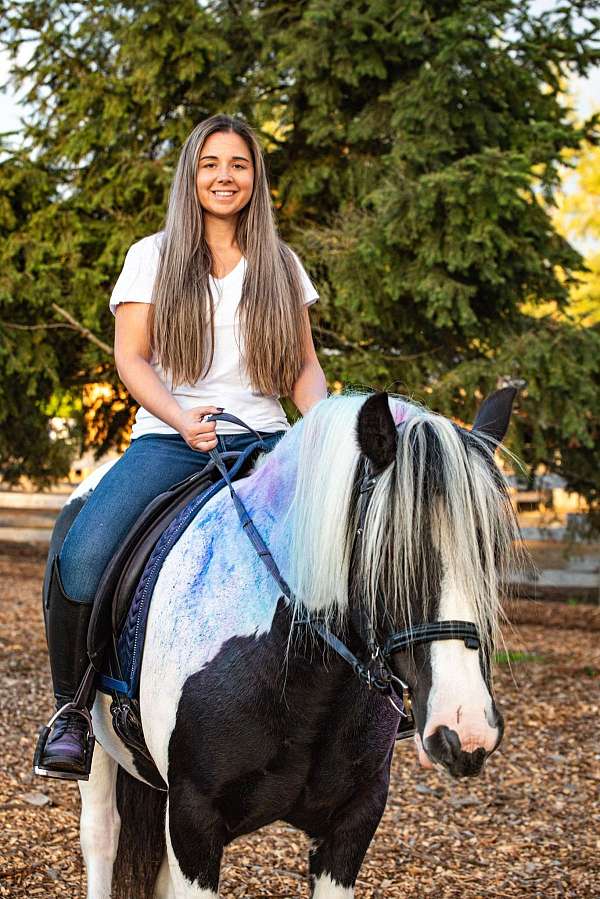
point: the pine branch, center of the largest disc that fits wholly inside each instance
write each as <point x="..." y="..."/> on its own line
<point x="371" y="346"/>
<point x="45" y="327"/>
<point x="89" y="335"/>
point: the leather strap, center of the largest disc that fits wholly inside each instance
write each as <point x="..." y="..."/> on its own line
<point x="430" y="632"/>
<point x="375" y="674"/>
<point x="234" y="420"/>
<point x="250" y="529"/>
<point x="364" y="672"/>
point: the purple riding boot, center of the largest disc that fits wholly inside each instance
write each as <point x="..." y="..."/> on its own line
<point x="65" y="745"/>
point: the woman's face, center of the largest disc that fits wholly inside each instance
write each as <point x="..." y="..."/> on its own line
<point x="225" y="174"/>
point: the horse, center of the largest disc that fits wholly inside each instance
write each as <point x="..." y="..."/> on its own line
<point x="380" y="515"/>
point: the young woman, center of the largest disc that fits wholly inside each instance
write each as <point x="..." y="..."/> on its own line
<point x="211" y="313"/>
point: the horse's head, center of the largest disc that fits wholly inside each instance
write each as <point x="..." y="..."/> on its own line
<point x="438" y="535"/>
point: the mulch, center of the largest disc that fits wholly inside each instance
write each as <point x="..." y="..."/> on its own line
<point x="529" y="826"/>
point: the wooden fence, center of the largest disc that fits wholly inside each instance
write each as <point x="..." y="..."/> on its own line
<point x="560" y="570"/>
<point x="29" y="517"/>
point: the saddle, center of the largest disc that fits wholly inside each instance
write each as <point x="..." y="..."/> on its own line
<point x="115" y="590"/>
<point x="177" y="505"/>
<point x="117" y="625"/>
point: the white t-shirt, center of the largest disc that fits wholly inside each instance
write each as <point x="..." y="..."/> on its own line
<point x="226" y="383"/>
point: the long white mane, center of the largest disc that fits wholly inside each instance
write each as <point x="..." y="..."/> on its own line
<point x="441" y="507"/>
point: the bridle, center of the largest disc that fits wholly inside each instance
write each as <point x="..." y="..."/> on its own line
<point x="373" y="669"/>
<point x="377" y="672"/>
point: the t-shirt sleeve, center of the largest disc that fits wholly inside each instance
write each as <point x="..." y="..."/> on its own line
<point x="136" y="281"/>
<point x="310" y="292"/>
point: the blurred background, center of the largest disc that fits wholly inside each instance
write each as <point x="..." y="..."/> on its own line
<point x="437" y="168"/>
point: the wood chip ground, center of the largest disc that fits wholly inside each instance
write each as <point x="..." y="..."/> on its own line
<point x="530" y="826"/>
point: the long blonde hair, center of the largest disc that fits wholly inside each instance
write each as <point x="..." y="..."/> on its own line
<point x="270" y="311"/>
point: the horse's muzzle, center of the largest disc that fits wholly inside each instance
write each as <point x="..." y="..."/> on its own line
<point x="443" y="747"/>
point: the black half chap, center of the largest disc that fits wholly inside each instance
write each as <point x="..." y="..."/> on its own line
<point x="67" y="667"/>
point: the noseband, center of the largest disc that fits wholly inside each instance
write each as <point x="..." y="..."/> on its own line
<point x="376" y="672"/>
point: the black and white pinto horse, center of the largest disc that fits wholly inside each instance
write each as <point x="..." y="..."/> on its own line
<point x="248" y="713"/>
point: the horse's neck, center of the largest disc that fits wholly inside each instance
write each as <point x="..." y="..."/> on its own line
<point x="274" y="481"/>
<point x="268" y="494"/>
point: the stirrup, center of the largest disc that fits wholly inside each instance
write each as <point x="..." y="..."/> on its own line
<point x="40" y="748"/>
<point x="77" y="706"/>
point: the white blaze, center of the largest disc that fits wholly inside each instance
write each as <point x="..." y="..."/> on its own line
<point x="459" y="698"/>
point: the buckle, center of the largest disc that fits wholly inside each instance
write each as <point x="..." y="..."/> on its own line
<point x="407" y="727"/>
<point x="368" y="483"/>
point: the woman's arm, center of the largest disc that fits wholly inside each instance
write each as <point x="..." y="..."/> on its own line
<point x="310" y="386"/>
<point x="132" y="358"/>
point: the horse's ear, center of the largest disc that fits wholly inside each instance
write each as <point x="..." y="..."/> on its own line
<point x="493" y="416"/>
<point x="377" y="435"/>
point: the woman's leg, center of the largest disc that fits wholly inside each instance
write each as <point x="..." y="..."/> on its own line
<point x="149" y="466"/>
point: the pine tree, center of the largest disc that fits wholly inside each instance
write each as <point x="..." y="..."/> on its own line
<point x="413" y="149"/>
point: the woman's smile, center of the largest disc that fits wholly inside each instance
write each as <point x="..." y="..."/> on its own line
<point x="226" y="161"/>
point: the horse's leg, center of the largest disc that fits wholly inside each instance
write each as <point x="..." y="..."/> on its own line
<point x="195" y="849"/>
<point x="338" y="853"/>
<point x="100" y="823"/>
<point x="164" y="885"/>
<point x="327" y="888"/>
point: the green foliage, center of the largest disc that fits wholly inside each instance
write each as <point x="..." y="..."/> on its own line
<point x="413" y="151"/>
<point x="516" y="656"/>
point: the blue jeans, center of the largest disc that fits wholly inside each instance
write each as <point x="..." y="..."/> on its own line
<point x="149" y="466"/>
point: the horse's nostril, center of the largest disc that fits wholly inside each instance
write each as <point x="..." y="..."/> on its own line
<point x="443" y="745"/>
<point x="471" y="763"/>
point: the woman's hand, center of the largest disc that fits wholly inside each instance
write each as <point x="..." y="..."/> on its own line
<point x="200" y="435"/>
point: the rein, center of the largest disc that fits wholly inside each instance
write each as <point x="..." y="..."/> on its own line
<point x="376" y="673"/>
